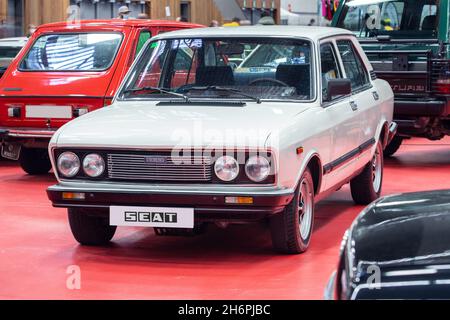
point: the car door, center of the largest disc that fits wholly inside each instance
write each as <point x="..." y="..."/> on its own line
<point x="364" y="96"/>
<point x="343" y="119"/>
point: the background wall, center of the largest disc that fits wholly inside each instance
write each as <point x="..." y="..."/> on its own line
<point x="44" y="11"/>
<point x="200" y="11"/>
<point x="17" y="15"/>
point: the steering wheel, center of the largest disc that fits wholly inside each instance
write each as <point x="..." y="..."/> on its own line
<point x="278" y="82"/>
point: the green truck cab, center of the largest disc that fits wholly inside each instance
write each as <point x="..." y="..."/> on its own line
<point x="408" y="44"/>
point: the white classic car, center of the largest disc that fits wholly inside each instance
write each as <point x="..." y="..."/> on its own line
<point x="9" y="48"/>
<point x="191" y="140"/>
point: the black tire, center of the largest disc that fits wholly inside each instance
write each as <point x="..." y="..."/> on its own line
<point x="366" y="187"/>
<point x="90" y="227"/>
<point x="393" y="146"/>
<point x="35" y="161"/>
<point x="285" y="227"/>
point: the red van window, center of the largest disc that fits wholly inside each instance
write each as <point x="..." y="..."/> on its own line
<point x="72" y="52"/>
<point x="144" y="36"/>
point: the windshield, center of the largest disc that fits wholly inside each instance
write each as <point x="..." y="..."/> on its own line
<point x="9" y="52"/>
<point x="276" y="69"/>
<point x="398" y="19"/>
<point x="72" y="52"/>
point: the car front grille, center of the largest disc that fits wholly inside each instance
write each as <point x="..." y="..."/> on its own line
<point x="156" y="167"/>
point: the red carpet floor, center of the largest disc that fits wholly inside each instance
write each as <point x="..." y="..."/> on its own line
<point x="36" y="246"/>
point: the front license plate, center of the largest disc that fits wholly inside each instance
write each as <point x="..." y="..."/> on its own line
<point x="157" y="217"/>
<point x="11" y="151"/>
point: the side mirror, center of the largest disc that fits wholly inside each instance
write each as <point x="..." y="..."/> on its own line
<point x="338" y="87"/>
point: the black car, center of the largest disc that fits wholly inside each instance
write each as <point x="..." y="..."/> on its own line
<point x="397" y="248"/>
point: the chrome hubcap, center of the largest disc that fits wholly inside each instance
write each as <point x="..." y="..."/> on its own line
<point x="377" y="169"/>
<point x="305" y="209"/>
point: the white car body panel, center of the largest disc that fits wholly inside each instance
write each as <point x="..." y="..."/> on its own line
<point x="143" y="124"/>
<point x="17" y="43"/>
<point x="13" y="42"/>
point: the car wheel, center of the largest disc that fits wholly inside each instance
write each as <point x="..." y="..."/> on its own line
<point x="90" y="227"/>
<point x="292" y="229"/>
<point x="35" y="161"/>
<point x="393" y="146"/>
<point x="366" y="187"/>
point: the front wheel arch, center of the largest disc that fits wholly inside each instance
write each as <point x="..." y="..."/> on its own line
<point x="384" y="135"/>
<point x="314" y="164"/>
<point x="315" y="168"/>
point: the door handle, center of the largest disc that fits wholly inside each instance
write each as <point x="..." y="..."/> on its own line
<point x="354" y="105"/>
<point x="376" y="96"/>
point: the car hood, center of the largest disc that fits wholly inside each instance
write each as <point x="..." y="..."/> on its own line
<point x="147" y="124"/>
<point x="404" y="230"/>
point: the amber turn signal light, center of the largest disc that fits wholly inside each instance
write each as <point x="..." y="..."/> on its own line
<point x="239" y="200"/>
<point x="73" y="196"/>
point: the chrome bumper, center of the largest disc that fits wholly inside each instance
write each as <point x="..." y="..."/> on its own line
<point x="208" y="203"/>
<point x="26" y="133"/>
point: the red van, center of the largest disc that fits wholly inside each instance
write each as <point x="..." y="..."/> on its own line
<point x="65" y="71"/>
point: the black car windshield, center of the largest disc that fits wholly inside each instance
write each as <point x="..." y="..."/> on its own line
<point x="226" y="68"/>
<point x="72" y="52"/>
<point x="395" y="18"/>
<point x="9" y="52"/>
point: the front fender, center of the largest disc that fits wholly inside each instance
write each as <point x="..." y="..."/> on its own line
<point x="295" y="164"/>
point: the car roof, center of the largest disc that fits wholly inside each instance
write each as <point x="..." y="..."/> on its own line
<point x="13" y="42"/>
<point x="410" y="221"/>
<point x="118" y="24"/>
<point x="313" y="33"/>
<point x="402" y="206"/>
<point x="414" y="200"/>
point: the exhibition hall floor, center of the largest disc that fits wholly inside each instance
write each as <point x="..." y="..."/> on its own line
<point x="37" y="248"/>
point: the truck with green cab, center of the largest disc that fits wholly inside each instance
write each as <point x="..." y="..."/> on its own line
<point x="408" y="44"/>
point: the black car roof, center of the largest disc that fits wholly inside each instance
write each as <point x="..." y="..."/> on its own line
<point x="404" y="229"/>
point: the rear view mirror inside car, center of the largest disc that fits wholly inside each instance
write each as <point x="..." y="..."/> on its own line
<point x="229" y="49"/>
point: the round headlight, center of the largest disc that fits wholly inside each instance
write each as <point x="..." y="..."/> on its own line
<point x="68" y="164"/>
<point x="226" y="168"/>
<point x="257" y="168"/>
<point x="93" y="165"/>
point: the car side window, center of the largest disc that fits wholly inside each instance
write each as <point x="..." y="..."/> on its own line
<point x="353" y="65"/>
<point x="429" y="19"/>
<point x="144" y="36"/>
<point x="329" y="67"/>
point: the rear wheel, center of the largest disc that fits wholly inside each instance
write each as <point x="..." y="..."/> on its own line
<point x="291" y="230"/>
<point x="393" y="146"/>
<point x="91" y="227"/>
<point x="35" y="161"/>
<point x="366" y="187"/>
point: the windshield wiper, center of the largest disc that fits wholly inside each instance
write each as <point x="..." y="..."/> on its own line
<point x="225" y="89"/>
<point x="160" y="90"/>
